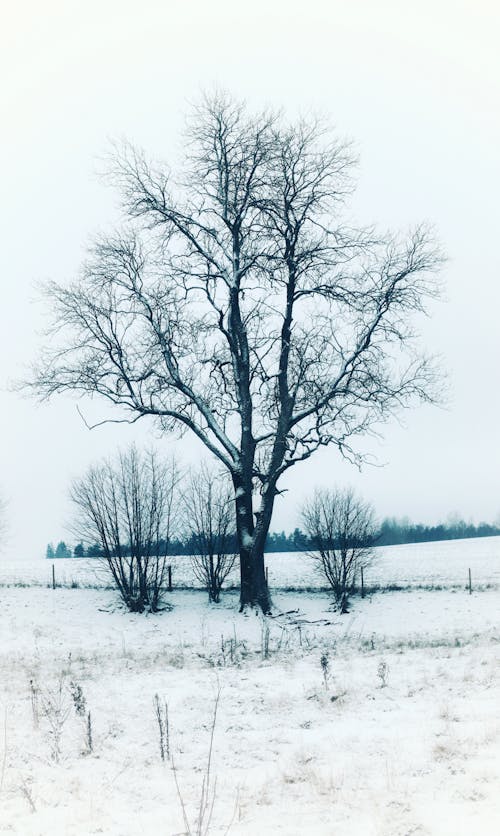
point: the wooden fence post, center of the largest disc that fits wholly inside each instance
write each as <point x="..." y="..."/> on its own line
<point x="169" y="568"/>
<point x="267" y="575"/>
<point x="362" y="584"/>
<point x="53" y="577"/>
<point x="470" y="583"/>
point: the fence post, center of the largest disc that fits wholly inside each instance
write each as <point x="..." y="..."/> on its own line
<point x="169" y="568"/>
<point x="267" y="575"/>
<point x="362" y="584"/>
<point x="470" y="583"/>
<point x="53" y="577"/>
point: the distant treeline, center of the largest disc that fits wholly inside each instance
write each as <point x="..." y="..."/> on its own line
<point x="392" y="532"/>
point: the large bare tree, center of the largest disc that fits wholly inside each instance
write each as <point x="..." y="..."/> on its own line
<point x="238" y="304"/>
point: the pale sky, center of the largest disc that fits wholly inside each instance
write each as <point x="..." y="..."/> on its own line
<point x="416" y="85"/>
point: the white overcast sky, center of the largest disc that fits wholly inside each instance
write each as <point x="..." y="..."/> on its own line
<point x="416" y="85"/>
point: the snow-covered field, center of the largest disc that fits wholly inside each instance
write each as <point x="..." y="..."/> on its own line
<point x="420" y="564"/>
<point x="399" y="735"/>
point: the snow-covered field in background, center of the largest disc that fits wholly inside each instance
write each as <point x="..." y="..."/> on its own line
<point x="403" y="738"/>
<point x="442" y="564"/>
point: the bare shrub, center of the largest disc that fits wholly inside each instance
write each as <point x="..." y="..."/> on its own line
<point x="127" y="507"/>
<point x="78" y="698"/>
<point x="209" y="514"/>
<point x="80" y="706"/>
<point x="383" y="672"/>
<point x="55" y="709"/>
<point x="342" y="531"/>
<point x="232" y="651"/>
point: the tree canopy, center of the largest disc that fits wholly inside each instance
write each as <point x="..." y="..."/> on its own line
<point x="240" y="303"/>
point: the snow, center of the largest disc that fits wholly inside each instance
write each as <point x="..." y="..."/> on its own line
<point x="247" y="539"/>
<point x="419" y="564"/>
<point x="291" y="756"/>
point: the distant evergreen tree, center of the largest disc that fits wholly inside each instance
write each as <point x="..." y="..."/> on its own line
<point x="300" y="540"/>
<point x="50" y="553"/>
<point x="79" y="550"/>
<point x="62" y="550"/>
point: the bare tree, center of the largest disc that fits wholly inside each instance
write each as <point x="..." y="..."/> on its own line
<point x="342" y="531"/>
<point x="210" y="526"/>
<point x="236" y="303"/>
<point x="127" y="507"/>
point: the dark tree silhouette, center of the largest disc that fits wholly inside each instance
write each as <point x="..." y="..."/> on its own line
<point x="236" y="303"/>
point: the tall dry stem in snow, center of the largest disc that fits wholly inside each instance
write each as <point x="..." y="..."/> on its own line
<point x="208" y="793"/>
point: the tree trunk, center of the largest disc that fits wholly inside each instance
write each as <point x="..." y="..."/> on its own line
<point x="253" y="586"/>
<point x="255" y="592"/>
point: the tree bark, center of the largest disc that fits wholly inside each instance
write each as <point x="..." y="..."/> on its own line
<point x="255" y="593"/>
<point x="253" y="586"/>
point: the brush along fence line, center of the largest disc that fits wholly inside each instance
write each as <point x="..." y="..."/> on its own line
<point x="445" y="564"/>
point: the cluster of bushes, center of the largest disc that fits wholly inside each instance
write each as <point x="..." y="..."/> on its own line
<point x="133" y="508"/>
<point x="137" y="511"/>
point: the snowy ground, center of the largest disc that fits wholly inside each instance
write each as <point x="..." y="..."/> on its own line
<point x="420" y="564"/>
<point x="402" y="738"/>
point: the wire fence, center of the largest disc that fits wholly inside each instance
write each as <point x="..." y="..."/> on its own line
<point x="470" y="565"/>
